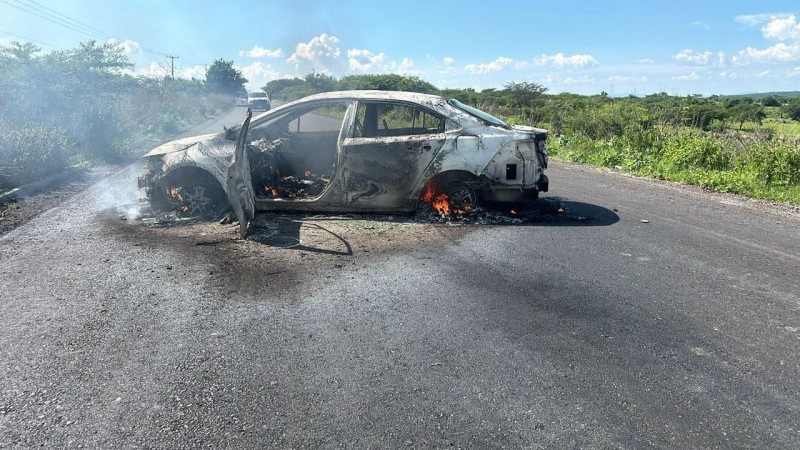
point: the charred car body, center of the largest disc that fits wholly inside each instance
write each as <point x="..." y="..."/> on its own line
<point x="351" y="151"/>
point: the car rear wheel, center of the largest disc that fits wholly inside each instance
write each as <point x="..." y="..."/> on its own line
<point x="461" y="196"/>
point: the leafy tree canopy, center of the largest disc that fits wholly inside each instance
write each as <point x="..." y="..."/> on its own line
<point x="223" y="78"/>
<point x="386" y="82"/>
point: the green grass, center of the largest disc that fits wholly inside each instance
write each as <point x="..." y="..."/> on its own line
<point x="749" y="164"/>
<point x="783" y="127"/>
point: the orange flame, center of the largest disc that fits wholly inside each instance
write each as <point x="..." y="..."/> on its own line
<point x="271" y="191"/>
<point x="441" y="204"/>
<point x="427" y="195"/>
<point x="439" y="201"/>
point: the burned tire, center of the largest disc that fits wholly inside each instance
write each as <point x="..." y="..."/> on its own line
<point x="192" y="194"/>
<point x="461" y="196"/>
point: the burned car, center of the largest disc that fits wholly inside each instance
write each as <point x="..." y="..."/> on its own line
<point x="369" y="151"/>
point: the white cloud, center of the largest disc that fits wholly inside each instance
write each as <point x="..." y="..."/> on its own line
<point x="619" y="78"/>
<point x="319" y="53"/>
<point x="260" y="52"/>
<point x="404" y="67"/>
<point x="519" y="65"/>
<point x="551" y="78"/>
<point x="494" y="66"/>
<point x="779" y="52"/>
<point x="128" y="46"/>
<point x="700" y="24"/>
<point x="782" y="29"/>
<point x="729" y="75"/>
<point x="691" y="57"/>
<point x="197" y="72"/>
<point x="364" y="60"/>
<point x="579" y="80"/>
<point x="153" y="70"/>
<point x="751" y="20"/>
<point x="560" y="60"/>
<point x="795" y="72"/>
<point x="721" y="59"/>
<point x="258" y="74"/>
<point x="448" y="60"/>
<point x="645" y="61"/>
<point x="688" y="77"/>
<point x="761" y="74"/>
<point x="785" y="30"/>
<point x="625" y="78"/>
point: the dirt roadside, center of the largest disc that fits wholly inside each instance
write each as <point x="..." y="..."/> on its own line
<point x="18" y="212"/>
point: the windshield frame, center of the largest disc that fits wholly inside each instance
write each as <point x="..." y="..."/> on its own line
<point x="477" y="113"/>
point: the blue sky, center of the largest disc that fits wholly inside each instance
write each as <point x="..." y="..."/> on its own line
<point x="621" y="47"/>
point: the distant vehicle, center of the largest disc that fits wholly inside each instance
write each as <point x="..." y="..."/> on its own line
<point x="352" y="151"/>
<point x="241" y="99"/>
<point x="258" y="101"/>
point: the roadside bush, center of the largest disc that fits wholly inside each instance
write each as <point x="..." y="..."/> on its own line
<point x="686" y="151"/>
<point x="775" y="163"/>
<point x="101" y="112"/>
<point x="30" y="152"/>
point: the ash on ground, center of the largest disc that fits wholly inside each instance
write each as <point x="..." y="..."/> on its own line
<point x="516" y="214"/>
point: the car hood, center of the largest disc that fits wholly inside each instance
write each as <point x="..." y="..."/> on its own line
<point x="178" y="145"/>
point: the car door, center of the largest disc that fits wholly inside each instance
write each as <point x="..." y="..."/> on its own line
<point x="391" y="145"/>
<point x="240" y="186"/>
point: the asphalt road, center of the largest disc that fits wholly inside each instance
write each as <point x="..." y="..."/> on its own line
<point x="589" y="328"/>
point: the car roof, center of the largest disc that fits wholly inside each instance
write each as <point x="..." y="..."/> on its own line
<point x="415" y="97"/>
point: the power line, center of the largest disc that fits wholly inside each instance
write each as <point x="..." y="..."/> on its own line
<point x="51" y="15"/>
<point x="29" y="39"/>
<point x="60" y="23"/>
<point x="68" y="18"/>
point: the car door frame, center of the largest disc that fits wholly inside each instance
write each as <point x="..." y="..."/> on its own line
<point x="381" y="173"/>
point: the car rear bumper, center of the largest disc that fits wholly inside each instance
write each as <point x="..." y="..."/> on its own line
<point x="501" y="193"/>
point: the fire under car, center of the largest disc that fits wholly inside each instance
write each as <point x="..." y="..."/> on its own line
<point x="355" y="151"/>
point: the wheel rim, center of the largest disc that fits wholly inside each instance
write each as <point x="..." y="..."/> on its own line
<point x="462" y="197"/>
<point x="198" y="202"/>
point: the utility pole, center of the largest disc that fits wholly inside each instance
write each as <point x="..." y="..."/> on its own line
<point x="172" y="64"/>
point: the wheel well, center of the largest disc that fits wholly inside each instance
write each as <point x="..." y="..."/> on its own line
<point x="193" y="176"/>
<point x="455" y="175"/>
<point x="440" y="180"/>
<point x="184" y="176"/>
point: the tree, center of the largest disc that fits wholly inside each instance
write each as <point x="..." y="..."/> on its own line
<point x="702" y="115"/>
<point x="275" y="88"/>
<point x="744" y="112"/>
<point x="222" y="77"/>
<point x="792" y="109"/>
<point x="772" y="100"/>
<point x="524" y="94"/>
<point x="16" y="51"/>
<point x="386" y="82"/>
<point x="319" y="82"/>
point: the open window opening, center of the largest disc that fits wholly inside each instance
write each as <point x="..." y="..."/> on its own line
<point x="293" y="156"/>
<point x="382" y="119"/>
